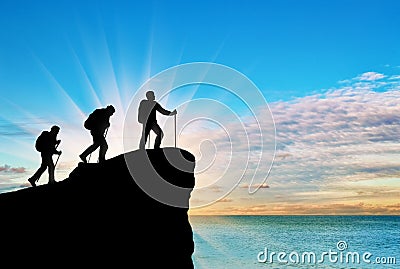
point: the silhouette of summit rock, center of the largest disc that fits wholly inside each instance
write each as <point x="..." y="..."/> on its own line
<point x="100" y="215"/>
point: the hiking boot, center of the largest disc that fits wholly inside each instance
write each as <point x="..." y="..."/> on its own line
<point x="32" y="181"/>
<point x="83" y="158"/>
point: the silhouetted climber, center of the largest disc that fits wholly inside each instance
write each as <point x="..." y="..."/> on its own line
<point x="147" y="117"/>
<point x="98" y="122"/>
<point x="46" y="144"/>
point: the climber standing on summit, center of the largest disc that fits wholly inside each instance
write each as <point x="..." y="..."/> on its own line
<point x="147" y="117"/>
<point x="98" y="122"/>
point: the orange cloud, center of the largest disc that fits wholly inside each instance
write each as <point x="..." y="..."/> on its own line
<point x="306" y="209"/>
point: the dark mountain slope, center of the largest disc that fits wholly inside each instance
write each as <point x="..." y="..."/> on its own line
<point x="99" y="215"/>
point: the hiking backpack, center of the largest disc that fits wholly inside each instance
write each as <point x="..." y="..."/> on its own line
<point x="145" y="108"/>
<point x="41" y="141"/>
<point x="93" y="120"/>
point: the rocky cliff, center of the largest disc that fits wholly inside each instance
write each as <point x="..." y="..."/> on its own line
<point x="106" y="214"/>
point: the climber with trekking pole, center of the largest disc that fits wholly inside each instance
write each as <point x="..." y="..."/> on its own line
<point x="47" y="144"/>
<point x="98" y="123"/>
<point x="147" y="117"/>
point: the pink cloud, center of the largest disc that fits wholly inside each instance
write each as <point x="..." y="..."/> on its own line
<point x="18" y="170"/>
<point x="14" y="170"/>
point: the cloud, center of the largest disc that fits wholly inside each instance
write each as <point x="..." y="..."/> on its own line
<point x="332" y="146"/>
<point x="344" y="81"/>
<point x="359" y="208"/>
<point x="282" y="156"/>
<point x="225" y="200"/>
<point x="12" y="170"/>
<point x="335" y="118"/>
<point x="18" y="170"/>
<point x="370" y="76"/>
<point x="261" y="186"/>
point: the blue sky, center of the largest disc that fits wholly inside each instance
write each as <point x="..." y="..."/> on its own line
<point x="61" y="59"/>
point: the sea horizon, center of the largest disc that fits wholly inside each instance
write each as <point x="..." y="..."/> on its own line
<point x="310" y="241"/>
<point x="377" y="215"/>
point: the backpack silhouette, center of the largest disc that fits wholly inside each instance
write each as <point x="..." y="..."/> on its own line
<point x="42" y="141"/>
<point x="145" y="108"/>
<point x="92" y="121"/>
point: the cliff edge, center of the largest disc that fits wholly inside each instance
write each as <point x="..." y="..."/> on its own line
<point x="106" y="213"/>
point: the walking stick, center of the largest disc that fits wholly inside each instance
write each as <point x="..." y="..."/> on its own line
<point x="175" y="128"/>
<point x="105" y="135"/>
<point x="58" y="156"/>
<point x="57" y="161"/>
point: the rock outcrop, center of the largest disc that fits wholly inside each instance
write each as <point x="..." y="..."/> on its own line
<point x="101" y="215"/>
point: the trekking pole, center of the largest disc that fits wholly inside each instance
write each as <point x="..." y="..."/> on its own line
<point x="148" y="144"/>
<point x="105" y="135"/>
<point x="57" y="161"/>
<point x="57" y="157"/>
<point x="175" y="128"/>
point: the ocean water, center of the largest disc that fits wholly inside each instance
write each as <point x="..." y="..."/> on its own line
<point x="336" y="241"/>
